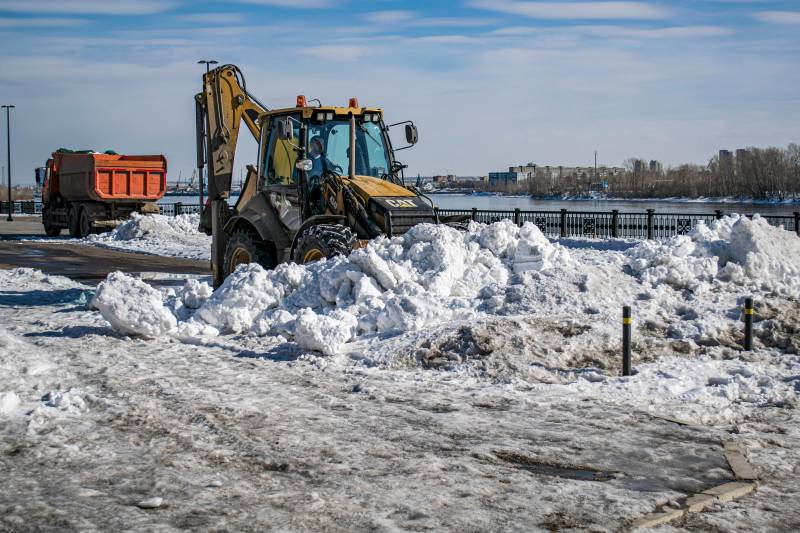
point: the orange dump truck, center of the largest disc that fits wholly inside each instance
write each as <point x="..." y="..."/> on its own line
<point x="88" y="192"/>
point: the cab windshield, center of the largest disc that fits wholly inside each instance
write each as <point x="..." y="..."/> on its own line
<point x="329" y="148"/>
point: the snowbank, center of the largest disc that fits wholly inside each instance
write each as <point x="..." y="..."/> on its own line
<point x="747" y="252"/>
<point x="157" y="234"/>
<point x="132" y="307"/>
<point x="497" y="297"/>
<point x="430" y="275"/>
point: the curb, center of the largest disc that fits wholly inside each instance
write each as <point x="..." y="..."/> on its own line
<point x="746" y="483"/>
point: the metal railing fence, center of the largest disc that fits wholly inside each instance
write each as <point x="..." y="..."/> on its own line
<point x="563" y="223"/>
<point x="602" y="224"/>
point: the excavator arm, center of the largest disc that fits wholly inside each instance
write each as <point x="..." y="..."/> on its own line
<point x="220" y="110"/>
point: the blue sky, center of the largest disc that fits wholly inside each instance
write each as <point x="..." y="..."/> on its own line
<point x="489" y="83"/>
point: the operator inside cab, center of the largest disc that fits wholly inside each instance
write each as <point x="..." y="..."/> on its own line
<point x="319" y="161"/>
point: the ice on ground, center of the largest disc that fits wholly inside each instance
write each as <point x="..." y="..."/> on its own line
<point x="24" y="371"/>
<point x="703" y="391"/>
<point x="175" y="236"/>
<point x="32" y="279"/>
<point x="9" y="402"/>
<point x="748" y="252"/>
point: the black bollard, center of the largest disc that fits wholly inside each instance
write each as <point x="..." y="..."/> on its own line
<point x="748" y="324"/>
<point x="627" y="322"/>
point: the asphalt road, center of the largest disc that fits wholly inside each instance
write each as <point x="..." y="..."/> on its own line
<point x="86" y="263"/>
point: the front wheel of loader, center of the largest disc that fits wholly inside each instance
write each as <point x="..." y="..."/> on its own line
<point x="323" y="241"/>
<point x="245" y="247"/>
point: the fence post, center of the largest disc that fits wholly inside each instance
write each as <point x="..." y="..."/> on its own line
<point x="563" y="223"/>
<point x="718" y="213"/>
<point x="474" y="214"/>
<point x="436" y="214"/>
<point x="517" y="217"/>
<point x="178" y="208"/>
<point x="797" y="223"/>
<point x="614" y="222"/>
<point x="748" y="324"/>
<point x="627" y="322"/>
<point x="650" y="214"/>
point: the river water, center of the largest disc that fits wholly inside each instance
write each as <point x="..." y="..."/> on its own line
<point x="505" y="203"/>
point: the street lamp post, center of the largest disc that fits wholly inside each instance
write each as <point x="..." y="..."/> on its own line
<point x="8" y="146"/>
<point x="207" y="63"/>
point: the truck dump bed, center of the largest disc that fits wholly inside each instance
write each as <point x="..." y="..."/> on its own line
<point x="110" y="178"/>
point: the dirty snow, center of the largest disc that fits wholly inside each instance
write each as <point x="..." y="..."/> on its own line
<point x="407" y="386"/>
<point x="173" y="236"/>
<point x="689" y="290"/>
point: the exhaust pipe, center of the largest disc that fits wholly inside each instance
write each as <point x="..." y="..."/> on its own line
<point x="352" y="169"/>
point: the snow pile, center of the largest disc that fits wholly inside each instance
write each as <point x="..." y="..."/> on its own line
<point x="703" y="390"/>
<point x="132" y="307"/>
<point x="176" y="236"/>
<point x="736" y="249"/>
<point x="430" y="275"/>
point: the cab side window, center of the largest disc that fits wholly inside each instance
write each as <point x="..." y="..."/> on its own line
<point x="280" y="157"/>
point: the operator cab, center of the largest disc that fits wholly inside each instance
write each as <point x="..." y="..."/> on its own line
<point x="322" y="136"/>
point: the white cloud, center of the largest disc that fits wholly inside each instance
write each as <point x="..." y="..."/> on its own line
<point x="88" y="7"/>
<point x="338" y="52"/>
<point x="40" y="22"/>
<point x="791" y="18"/>
<point x="298" y="4"/>
<point x="447" y="39"/>
<point x="409" y="18"/>
<point x="214" y="18"/>
<point x="389" y="17"/>
<point x="454" y="22"/>
<point x="576" y="10"/>
<point x="613" y="31"/>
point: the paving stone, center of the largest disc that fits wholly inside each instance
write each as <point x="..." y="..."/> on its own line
<point x="655" y="519"/>
<point x="730" y="491"/>
<point x="698" y="502"/>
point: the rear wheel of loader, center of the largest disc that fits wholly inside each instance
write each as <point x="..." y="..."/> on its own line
<point x="244" y="247"/>
<point x="73" y="223"/>
<point x="323" y="241"/>
<point x="49" y="229"/>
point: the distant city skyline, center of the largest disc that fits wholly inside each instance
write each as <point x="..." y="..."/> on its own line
<point x="489" y="83"/>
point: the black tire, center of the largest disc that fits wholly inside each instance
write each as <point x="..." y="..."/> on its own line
<point x="73" y="223"/>
<point x="323" y="240"/>
<point x="246" y="247"/>
<point x="84" y="223"/>
<point x="49" y="229"/>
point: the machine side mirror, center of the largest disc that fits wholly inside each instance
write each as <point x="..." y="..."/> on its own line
<point x="40" y="175"/>
<point x="411" y="134"/>
<point x="285" y="129"/>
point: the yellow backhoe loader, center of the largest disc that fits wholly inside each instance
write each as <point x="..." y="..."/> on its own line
<point x="326" y="178"/>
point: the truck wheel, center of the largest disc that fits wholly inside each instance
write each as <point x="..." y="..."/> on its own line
<point x="244" y="247"/>
<point x="84" y="223"/>
<point x="73" y="222"/>
<point x="49" y="229"/>
<point x="323" y="241"/>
